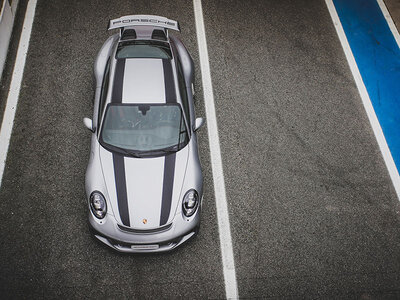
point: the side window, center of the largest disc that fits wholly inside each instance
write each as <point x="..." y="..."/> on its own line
<point x="182" y="91"/>
<point x="104" y="89"/>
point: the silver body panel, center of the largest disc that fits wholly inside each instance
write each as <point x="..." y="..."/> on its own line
<point x="145" y="179"/>
<point x="146" y="86"/>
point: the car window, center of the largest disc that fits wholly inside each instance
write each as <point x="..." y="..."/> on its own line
<point x="144" y="127"/>
<point x="182" y="91"/>
<point x="143" y="49"/>
<point x="104" y="90"/>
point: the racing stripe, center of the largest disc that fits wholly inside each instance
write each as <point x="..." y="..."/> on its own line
<point x="144" y="186"/>
<point x="116" y="96"/>
<point x="169" y="164"/>
<point x="170" y="95"/>
<point x="168" y="184"/>
<point x="120" y="185"/>
<point x="118" y="159"/>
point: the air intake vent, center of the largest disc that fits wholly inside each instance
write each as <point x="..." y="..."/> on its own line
<point x="128" y="34"/>
<point x="159" y="35"/>
<point x="145" y="231"/>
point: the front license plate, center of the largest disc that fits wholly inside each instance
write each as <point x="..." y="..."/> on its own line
<point x="145" y="247"/>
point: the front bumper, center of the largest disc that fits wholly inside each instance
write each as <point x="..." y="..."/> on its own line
<point x="124" y="240"/>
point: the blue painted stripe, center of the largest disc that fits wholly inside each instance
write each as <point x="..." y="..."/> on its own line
<point x="378" y="59"/>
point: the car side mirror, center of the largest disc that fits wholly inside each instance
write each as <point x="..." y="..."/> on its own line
<point x="198" y="124"/>
<point x="88" y="124"/>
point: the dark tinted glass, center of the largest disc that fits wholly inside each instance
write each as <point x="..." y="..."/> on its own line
<point x="143" y="49"/>
<point x="144" y="127"/>
<point x="104" y="90"/>
<point x="182" y="90"/>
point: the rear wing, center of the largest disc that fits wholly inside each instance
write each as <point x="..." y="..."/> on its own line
<point x="141" y="20"/>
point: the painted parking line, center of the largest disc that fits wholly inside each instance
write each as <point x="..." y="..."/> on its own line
<point x="216" y="161"/>
<point x="390" y="22"/>
<point x="15" y="86"/>
<point x="374" y="59"/>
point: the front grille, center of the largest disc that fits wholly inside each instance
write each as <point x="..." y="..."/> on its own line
<point x="145" y="231"/>
<point x="167" y="244"/>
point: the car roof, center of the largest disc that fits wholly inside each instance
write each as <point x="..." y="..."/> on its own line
<point x="142" y="80"/>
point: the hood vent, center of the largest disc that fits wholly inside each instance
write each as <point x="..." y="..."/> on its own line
<point x="128" y="34"/>
<point x="159" y="34"/>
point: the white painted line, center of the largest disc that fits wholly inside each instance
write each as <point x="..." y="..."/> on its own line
<point x="15" y="86"/>
<point x="376" y="127"/>
<point x="390" y="22"/>
<point x="228" y="262"/>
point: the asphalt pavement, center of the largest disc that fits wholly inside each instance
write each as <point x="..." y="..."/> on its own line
<point x="47" y="250"/>
<point x="312" y="208"/>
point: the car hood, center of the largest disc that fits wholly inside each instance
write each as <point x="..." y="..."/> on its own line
<point x="144" y="192"/>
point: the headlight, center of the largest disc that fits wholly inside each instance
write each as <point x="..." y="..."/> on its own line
<point x="190" y="203"/>
<point x="98" y="205"/>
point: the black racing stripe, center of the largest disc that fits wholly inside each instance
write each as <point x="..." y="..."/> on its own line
<point x="170" y="95"/>
<point x="118" y="159"/>
<point x="120" y="185"/>
<point x="116" y="96"/>
<point x="168" y="184"/>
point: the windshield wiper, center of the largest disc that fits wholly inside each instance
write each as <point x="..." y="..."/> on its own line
<point x="126" y="151"/>
<point x="167" y="150"/>
<point x="132" y="153"/>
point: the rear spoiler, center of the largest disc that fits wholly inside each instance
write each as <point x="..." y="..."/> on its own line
<point x="141" y="20"/>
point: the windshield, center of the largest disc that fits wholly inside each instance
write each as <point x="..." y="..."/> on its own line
<point x="139" y="129"/>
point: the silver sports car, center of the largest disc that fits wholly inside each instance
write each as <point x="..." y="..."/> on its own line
<point x="143" y="182"/>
